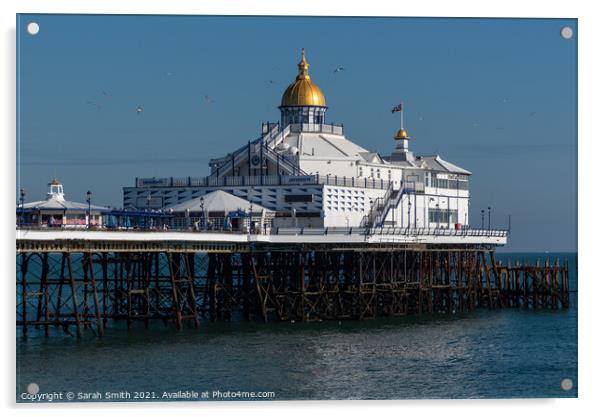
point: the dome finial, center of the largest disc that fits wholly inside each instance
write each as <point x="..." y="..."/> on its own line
<point x="303" y="67"/>
<point x="401" y="134"/>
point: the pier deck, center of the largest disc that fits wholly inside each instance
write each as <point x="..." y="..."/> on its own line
<point x="108" y="240"/>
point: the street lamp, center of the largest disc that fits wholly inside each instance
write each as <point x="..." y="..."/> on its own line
<point x="202" y="213"/>
<point x="250" y="216"/>
<point x="409" y="211"/>
<point x="482" y="219"/>
<point x="489" y="218"/>
<point x="89" y="201"/>
<point x="22" y="199"/>
<point x="148" y="201"/>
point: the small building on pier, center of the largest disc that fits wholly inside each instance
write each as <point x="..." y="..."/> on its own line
<point x="56" y="211"/>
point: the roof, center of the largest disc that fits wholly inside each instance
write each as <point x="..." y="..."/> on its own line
<point x="303" y="91"/>
<point x="219" y="201"/>
<point x="433" y="162"/>
<point x="324" y="146"/>
<point x="437" y="163"/>
<point x="54" y="203"/>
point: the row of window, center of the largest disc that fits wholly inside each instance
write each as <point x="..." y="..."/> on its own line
<point x="443" y="216"/>
<point x="445" y="183"/>
<point x="374" y="173"/>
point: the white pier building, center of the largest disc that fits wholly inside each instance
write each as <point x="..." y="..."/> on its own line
<point x="310" y="175"/>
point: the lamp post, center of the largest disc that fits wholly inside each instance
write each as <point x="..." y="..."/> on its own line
<point x="250" y="216"/>
<point x="489" y="218"/>
<point x="482" y="219"/>
<point x="89" y="201"/>
<point x="148" y="201"/>
<point x="22" y="200"/>
<point x="202" y="213"/>
<point x="409" y="211"/>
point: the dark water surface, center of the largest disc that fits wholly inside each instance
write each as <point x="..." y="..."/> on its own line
<point x="483" y="354"/>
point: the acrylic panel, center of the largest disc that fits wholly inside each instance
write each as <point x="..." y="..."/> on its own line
<point x="221" y="208"/>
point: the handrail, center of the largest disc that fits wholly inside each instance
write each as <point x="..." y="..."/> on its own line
<point x="302" y="179"/>
<point x="287" y="231"/>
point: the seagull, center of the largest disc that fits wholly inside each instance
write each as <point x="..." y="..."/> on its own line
<point x="505" y="100"/>
<point x="208" y="99"/>
<point x="106" y="94"/>
<point x="339" y="69"/>
<point x="421" y="118"/>
<point x="139" y="110"/>
<point x="91" y="103"/>
<point x="272" y="82"/>
<point x="169" y="74"/>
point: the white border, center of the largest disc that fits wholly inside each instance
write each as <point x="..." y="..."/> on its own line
<point x="589" y="148"/>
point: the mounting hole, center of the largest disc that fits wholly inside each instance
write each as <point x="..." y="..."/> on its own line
<point x="566" y="32"/>
<point x="33" y="28"/>
<point x="566" y="384"/>
<point x="33" y="388"/>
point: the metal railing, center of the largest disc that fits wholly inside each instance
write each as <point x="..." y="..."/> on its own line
<point x="241" y="181"/>
<point x="425" y="231"/>
<point x="317" y="128"/>
<point x="302" y="231"/>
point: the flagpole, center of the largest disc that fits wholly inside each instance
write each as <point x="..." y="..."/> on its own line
<point x="401" y="115"/>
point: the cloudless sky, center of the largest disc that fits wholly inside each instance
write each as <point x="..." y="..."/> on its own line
<point x="494" y="96"/>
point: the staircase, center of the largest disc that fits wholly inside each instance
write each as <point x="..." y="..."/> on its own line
<point x="265" y="143"/>
<point x="382" y="206"/>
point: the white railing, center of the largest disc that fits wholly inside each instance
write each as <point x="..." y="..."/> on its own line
<point x="306" y="231"/>
<point x="317" y="128"/>
<point x="241" y="181"/>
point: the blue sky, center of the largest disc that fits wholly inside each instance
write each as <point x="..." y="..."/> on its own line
<point x="495" y="96"/>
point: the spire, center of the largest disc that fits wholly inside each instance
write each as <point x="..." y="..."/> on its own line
<point x="303" y="67"/>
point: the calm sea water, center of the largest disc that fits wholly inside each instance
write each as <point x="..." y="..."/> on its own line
<point x="483" y="354"/>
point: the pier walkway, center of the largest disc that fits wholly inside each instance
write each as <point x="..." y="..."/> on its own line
<point x="49" y="239"/>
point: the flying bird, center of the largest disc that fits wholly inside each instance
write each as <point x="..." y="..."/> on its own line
<point x="533" y="113"/>
<point x="92" y="103"/>
<point x="208" y="99"/>
<point x="272" y="82"/>
<point x="139" y="110"/>
<point x="106" y="94"/>
<point x="339" y="69"/>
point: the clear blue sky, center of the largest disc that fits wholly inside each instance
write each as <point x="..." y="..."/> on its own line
<point x="495" y="96"/>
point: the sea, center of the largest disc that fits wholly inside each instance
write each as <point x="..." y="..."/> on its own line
<point x="503" y="353"/>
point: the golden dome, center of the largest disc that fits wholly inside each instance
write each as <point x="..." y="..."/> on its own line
<point x="303" y="92"/>
<point x="402" y="134"/>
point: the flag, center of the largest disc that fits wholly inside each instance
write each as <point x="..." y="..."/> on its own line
<point x="396" y="108"/>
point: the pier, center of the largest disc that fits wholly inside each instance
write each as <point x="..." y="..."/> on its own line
<point x="84" y="280"/>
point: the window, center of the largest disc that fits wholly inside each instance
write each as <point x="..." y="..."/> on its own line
<point x="443" y="216"/>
